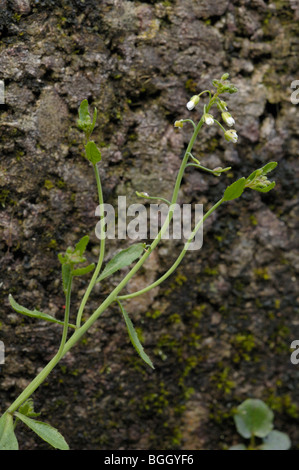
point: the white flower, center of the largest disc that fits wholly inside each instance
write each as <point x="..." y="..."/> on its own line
<point x="193" y="102"/>
<point x="209" y="120"/>
<point x="231" y="136"/>
<point x="228" y="119"/>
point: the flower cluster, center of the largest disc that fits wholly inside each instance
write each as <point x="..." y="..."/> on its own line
<point x="223" y="86"/>
<point x="258" y="179"/>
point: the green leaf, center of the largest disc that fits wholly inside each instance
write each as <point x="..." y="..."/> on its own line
<point x="62" y="258"/>
<point x="74" y="255"/>
<point x="234" y="190"/>
<point x="269" y="167"/>
<point x="254" y="174"/>
<point x="134" y="338"/>
<point x="33" y="313"/>
<point x="94" y="119"/>
<point x="254" y="418"/>
<point x="82" y="271"/>
<point x="216" y="83"/>
<point x="66" y="275"/>
<point x="122" y="259"/>
<point x="276" y="440"/>
<point x="84" y="122"/>
<point x="92" y="152"/>
<point x="8" y="440"/>
<point x="262" y="171"/>
<point x="45" y="431"/>
<point x="82" y="244"/>
<point x="84" y="112"/>
<point x="265" y="189"/>
<point x="27" y="409"/>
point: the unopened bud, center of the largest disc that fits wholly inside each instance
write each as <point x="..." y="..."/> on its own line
<point x="193" y="102"/>
<point x="218" y="170"/>
<point x="231" y="136"/>
<point x="178" y="124"/>
<point x="228" y="119"/>
<point x="225" y="76"/>
<point x="209" y="119"/>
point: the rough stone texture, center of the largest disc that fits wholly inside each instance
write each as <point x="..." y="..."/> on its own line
<point x="219" y="330"/>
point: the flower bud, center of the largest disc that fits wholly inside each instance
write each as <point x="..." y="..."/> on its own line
<point x="231" y="136"/>
<point x="209" y="119"/>
<point x="178" y="124"/>
<point x="225" y="76"/>
<point x="193" y="102"/>
<point x="221" y="105"/>
<point x="218" y="170"/>
<point x="228" y="119"/>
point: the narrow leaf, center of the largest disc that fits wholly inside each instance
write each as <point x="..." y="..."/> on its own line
<point x="134" y="338"/>
<point x="8" y="440"/>
<point x="94" y="119"/>
<point x="27" y="409"/>
<point x="82" y="271"/>
<point x="269" y="167"/>
<point x="252" y="175"/>
<point x="122" y="259"/>
<point x="33" y="313"/>
<point x="45" y="432"/>
<point x="66" y="275"/>
<point x="84" y="112"/>
<point x="82" y="244"/>
<point x="262" y="171"/>
<point x="234" y="190"/>
<point x="92" y="152"/>
<point x="266" y="189"/>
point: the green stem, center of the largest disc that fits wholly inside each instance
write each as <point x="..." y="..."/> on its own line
<point x="205" y="91"/>
<point x="36" y="382"/>
<point x="252" y="442"/>
<point x="154" y="198"/>
<point x="178" y="260"/>
<point x="66" y="316"/>
<point x="200" y="167"/>
<point x="102" y="251"/>
<point x="220" y="125"/>
<point x="189" y="120"/>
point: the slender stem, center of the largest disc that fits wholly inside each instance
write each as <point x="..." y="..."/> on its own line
<point x="252" y="442"/>
<point x="189" y="120"/>
<point x="212" y="101"/>
<point x="178" y="260"/>
<point x="205" y="91"/>
<point x="154" y="198"/>
<point x="102" y="250"/>
<point x="220" y="125"/>
<point x="66" y="316"/>
<point x="215" y="173"/>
